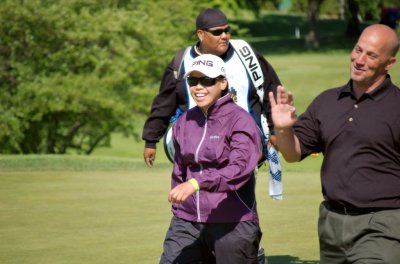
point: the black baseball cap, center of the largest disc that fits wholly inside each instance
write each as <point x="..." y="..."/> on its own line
<point x="210" y="17"/>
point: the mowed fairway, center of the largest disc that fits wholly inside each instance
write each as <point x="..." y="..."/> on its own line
<point x="102" y="214"/>
<point x="102" y="209"/>
<point x="84" y="216"/>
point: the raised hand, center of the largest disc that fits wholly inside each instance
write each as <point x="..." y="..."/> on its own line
<point x="282" y="109"/>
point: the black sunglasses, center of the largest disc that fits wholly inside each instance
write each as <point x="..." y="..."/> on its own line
<point x="218" y="32"/>
<point x="204" y="81"/>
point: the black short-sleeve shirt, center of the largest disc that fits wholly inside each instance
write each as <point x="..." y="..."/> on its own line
<point x="360" y="141"/>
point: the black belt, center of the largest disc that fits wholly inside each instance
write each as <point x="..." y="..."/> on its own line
<point x="351" y="210"/>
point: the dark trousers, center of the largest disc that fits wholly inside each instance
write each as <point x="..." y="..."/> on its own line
<point x="371" y="238"/>
<point x="188" y="242"/>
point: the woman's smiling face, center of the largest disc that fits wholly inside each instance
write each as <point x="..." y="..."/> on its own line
<point x="204" y="94"/>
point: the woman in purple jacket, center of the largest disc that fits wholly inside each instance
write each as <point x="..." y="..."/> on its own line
<point x="217" y="147"/>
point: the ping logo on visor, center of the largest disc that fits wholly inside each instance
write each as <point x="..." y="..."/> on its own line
<point x="203" y="62"/>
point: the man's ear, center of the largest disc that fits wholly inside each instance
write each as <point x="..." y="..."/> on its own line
<point x="200" y="34"/>
<point x="391" y="62"/>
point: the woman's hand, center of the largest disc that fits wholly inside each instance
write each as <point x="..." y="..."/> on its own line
<point x="181" y="192"/>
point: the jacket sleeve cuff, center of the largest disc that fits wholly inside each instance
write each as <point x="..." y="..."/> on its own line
<point x="195" y="184"/>
<point x="150" y="144"/>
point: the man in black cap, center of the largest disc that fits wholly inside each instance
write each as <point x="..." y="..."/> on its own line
<point x="251" y="79"/>
<point x="213" y="32"/>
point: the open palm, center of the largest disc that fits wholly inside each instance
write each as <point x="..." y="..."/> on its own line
<point x="282" y="109"/>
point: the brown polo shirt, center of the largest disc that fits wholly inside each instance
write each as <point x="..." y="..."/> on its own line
<point x="360" y="141"/>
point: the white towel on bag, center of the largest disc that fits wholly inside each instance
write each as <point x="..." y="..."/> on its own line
<point x="274" y="173"/>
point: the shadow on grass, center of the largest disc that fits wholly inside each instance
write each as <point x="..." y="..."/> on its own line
<point x="276" y="34"/>
<point x="286" y="259"/>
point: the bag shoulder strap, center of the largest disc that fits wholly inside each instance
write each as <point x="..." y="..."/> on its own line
<point x="253" y="68"/>
<point x="178" y="61"/>
<point x="250" y="62"/>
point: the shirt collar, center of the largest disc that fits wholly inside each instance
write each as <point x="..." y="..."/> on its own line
<point x="376" y="94"/>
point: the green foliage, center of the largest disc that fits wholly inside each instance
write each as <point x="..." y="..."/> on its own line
<point x="369" y="9"/>
<point x="299" y="6"/>
<point x="236" y="6"/>
<point x="72" y="72"/>
<point x="330" y="8"/>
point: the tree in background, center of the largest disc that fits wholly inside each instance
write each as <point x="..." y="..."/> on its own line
<point x="312" y="38"/>
<point x="353" y="19"/>
<point x="360" y="10"/>
<point x="354" y="11"/>
<point x="73" y="72"/>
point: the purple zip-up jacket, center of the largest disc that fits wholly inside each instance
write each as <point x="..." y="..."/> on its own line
<point x="220" y="150"/>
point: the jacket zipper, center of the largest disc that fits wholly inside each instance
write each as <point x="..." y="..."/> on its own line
<point x="196" y="157"/>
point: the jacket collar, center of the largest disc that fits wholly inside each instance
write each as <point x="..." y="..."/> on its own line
<point x="218" y="109"/>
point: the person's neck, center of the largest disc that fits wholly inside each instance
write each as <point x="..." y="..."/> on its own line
<point x="361" y="88"/>
<point x="204" y="110"/>
<point x="201" y="50"/>
<point x="198" y="50"/>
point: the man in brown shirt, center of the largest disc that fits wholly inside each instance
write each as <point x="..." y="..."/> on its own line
<point x="357" y="128"/>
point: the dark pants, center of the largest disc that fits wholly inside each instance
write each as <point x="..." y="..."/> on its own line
<point x="188" y="242"/>
<point x="372" y="238"/>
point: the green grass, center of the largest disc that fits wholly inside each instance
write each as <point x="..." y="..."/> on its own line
<point x="274" y="33"/>
<point x="110" y="208"/>
<point x="115" y="210"/>
<point x="305" y="74"/>
<point x="82" y="216"/>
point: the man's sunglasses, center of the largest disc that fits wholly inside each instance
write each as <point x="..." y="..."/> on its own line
<point x="218" y="32"/>
<point x="204" y="81"/>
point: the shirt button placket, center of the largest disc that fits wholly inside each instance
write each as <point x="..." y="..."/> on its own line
<point x="351" y="119"/>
